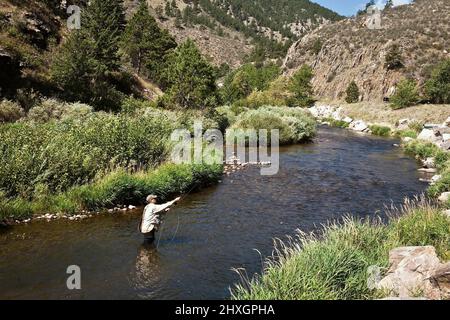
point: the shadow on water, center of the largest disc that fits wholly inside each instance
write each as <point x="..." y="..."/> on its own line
<point x="212" y="231"/>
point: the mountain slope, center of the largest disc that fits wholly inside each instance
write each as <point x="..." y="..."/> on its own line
<point x="347" y="50"/>
<point x="228" y="30"/>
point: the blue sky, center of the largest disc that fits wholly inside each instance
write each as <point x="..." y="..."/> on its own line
<point x="350" y="7"/>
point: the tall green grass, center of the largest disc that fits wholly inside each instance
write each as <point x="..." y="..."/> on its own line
<point x="380" y="130"/>
<point x="334" y="264"/>
<point x="55" y="156"/>
<point x="116" y="188"/>
<point x="442" y="159"/>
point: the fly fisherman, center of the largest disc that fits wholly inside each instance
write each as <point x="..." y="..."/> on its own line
<point x="151" y="218"/>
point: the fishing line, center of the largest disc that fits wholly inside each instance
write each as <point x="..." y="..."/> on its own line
<point x="178" y="214"/>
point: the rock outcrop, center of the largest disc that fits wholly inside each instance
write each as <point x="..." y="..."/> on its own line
<point x="351" y="51"/>
<point x="416" y="272"/>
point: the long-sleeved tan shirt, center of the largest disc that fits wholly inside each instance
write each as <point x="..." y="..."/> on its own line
<point x="151" y="218"/>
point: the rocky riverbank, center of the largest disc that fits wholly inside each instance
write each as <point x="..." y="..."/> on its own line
<point x="438" y="134"/>
<point x="414" y="272"/>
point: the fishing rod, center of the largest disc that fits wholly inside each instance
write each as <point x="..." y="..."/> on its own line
<point x="178" y="218"/>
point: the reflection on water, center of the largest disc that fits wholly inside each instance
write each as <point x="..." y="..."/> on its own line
<point x="210" y="232"/>
<point x="147" y="272"/>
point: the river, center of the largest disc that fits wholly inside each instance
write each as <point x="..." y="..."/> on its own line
<point x="227" y="226"/>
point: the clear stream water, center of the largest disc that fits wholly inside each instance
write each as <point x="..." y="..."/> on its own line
<point x="227" y="226"/>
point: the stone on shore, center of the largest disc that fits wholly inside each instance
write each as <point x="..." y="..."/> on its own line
<point x="444" y="197"/>
<point x="436" y="178"/>
<point x="429" y="163"/>
<point x="358" y="125"/>
<point x="416" y="271"/>
<point x="348" y="120"/>
<point x="427" y="135"/>
<point x="447" y="213"/>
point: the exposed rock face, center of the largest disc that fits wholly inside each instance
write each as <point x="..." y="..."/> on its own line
<point x="416" y="272"/>
<point x="351" y="51"/>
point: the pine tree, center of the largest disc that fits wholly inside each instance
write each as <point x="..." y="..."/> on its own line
<point x="168" y="9"/>
<point x="300" y="86"/>
<point x="84" y="62"/>
<point x="178" y="19"/>
<point x="352" y="93"/>
<point x="192" y="79"/>
<point x="437" y="87"/>
<point x="159" y="12"/>
<point x="104" y="22"/>
<point x="394" y="59"/>
<point x="406" y="94"/>
<point x="389" y="4"/>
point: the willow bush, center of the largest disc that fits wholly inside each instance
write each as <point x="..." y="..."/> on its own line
<point x="55" y="156"/>
<point x="295" y="124"/>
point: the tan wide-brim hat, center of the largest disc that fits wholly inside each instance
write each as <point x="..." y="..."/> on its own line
<point x="151" y="197"/>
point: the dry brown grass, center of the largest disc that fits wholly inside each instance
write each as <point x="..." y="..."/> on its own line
<point x="381" y="113"/>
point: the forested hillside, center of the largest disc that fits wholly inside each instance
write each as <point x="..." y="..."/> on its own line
<point x="228" y="30"/>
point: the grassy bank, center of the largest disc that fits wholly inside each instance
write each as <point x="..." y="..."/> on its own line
<point x="425" y="150"/>
<point x="64" y="158"/>
<point x="333" y="264"/>
<point x="116" y="188"/>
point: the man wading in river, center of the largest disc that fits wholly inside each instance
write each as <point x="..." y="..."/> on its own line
<point x="151" y="218"/>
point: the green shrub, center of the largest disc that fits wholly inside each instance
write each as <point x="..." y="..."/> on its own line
<point x="301" y="88"/>
<point x="116" y="188"/>
<point x="380" y="130"/>
<point x="51" y="109"/>
<point x="406" y="133"/>
<point x="330" y="266"/>
<point x="62" y="154"/>
<point x="277" y="94"/>
<point x="437" y="88"/>
<point x="394" y="59"/>
<point x="406" y="95"/>
<point x="442" y="185"/>
<point x="10" y="111"/>
<point x="422" y="149"/>
<point x="352" y="93"/>
<point x="337" y="123"/>
<point x="295" y="124"/>
<point x="417" y="126"/>
<point x="246" y="79"/>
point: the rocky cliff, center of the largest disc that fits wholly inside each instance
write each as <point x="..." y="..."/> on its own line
<point x="348" y="50"/>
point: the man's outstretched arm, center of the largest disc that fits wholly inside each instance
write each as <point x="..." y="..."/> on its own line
<point x="162" y="207"/>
